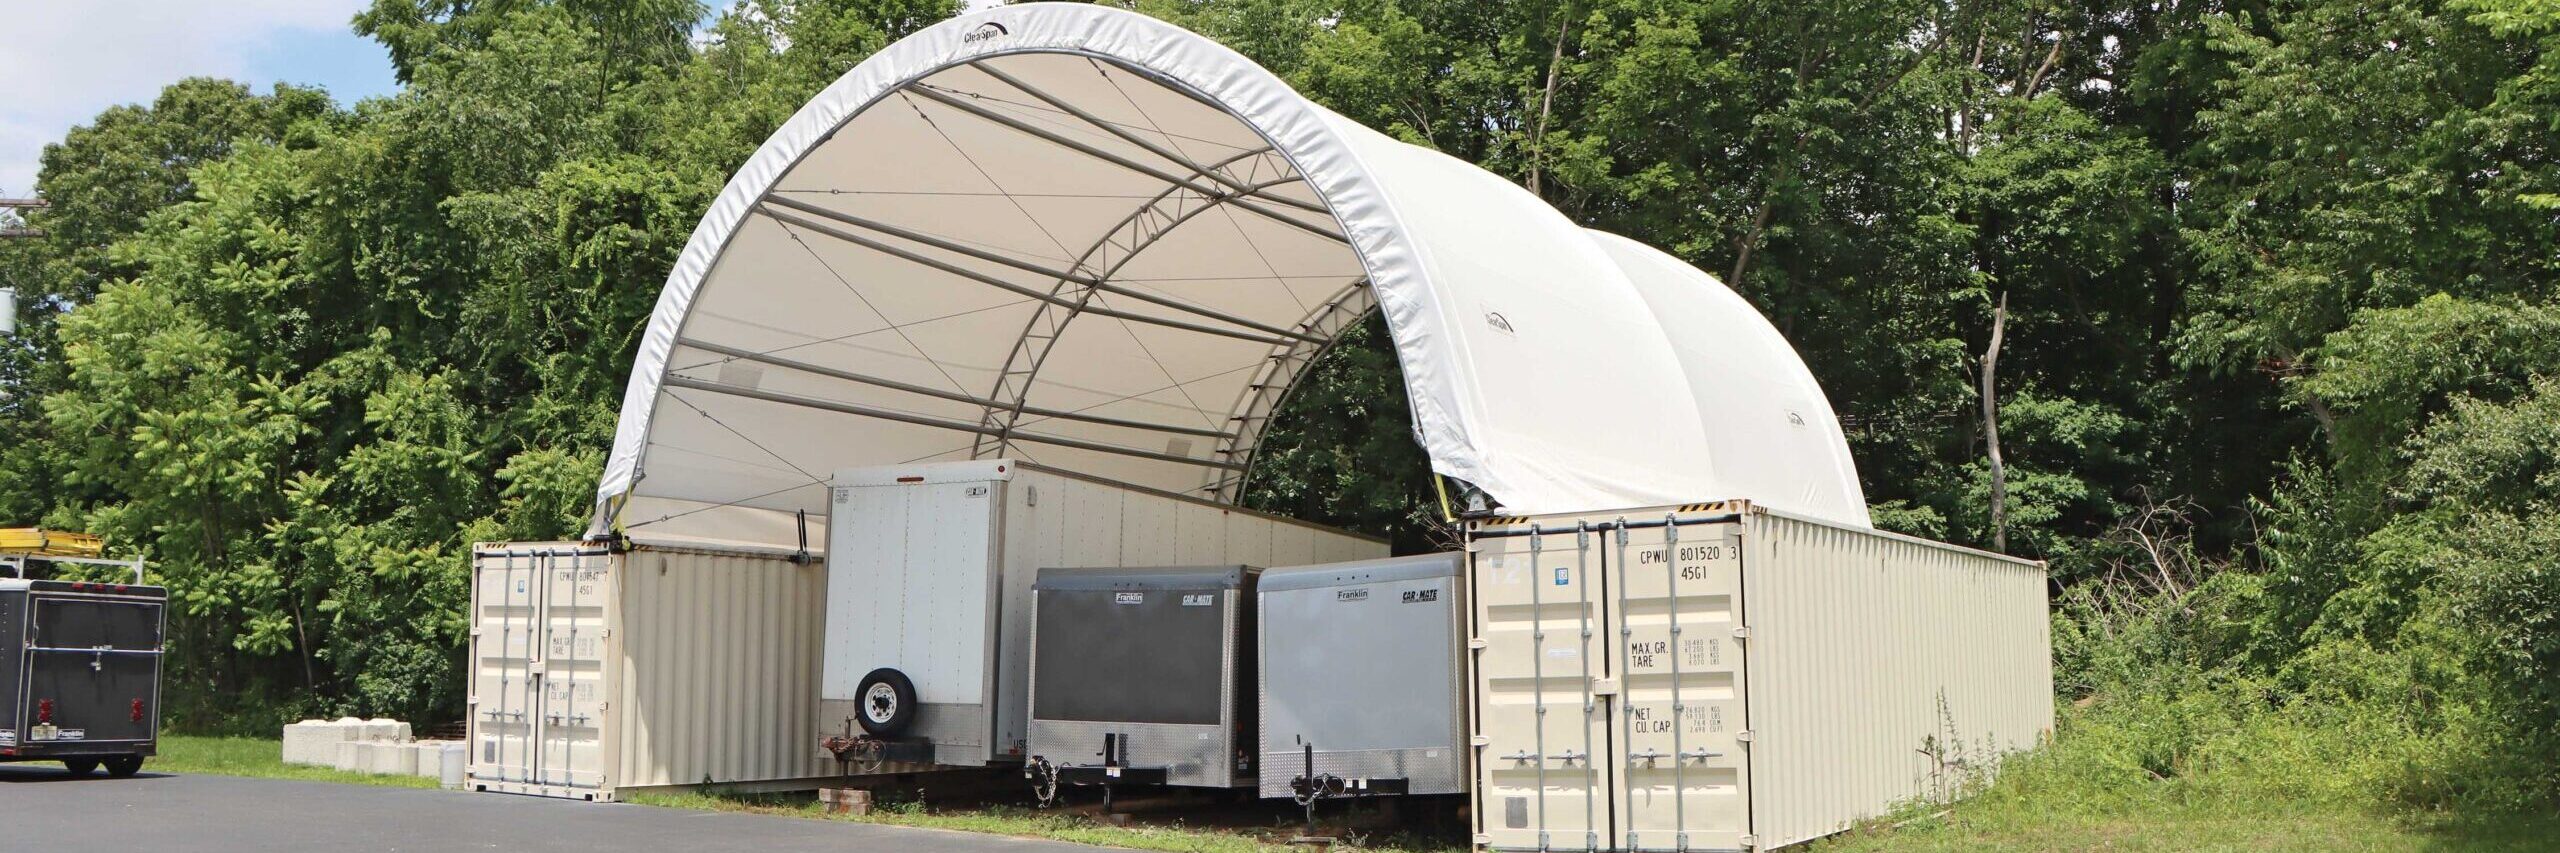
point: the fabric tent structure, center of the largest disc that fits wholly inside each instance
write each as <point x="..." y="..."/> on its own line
<point x="1089" y="239"/>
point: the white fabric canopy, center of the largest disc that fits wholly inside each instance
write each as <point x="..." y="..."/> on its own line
<point x="1090" y="239"/>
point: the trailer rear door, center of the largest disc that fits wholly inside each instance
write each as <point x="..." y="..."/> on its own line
<point x="93" y="667"/>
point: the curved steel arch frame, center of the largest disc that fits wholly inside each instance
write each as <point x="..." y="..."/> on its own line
<point x="1146" y="225"/>
<point x="1441" y="243"/>
<point x="1152" y="221"/>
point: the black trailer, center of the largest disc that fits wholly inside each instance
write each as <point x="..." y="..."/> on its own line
<point x="81" y="677"/>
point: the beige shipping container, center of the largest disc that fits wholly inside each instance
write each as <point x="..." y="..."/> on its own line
<point x="598" y="671"/>
<point x="1729" y="677"/>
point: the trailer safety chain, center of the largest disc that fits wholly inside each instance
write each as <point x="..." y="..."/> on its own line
<point x="1044" y="781"/>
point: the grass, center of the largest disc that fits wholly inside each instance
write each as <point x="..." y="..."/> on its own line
<point x="2211" y="769"/>
<point x="258" y="757"/>
<point x="1229" y="836"/>
<point x="2179" y="818"/>
<point x="2272" y="787"/>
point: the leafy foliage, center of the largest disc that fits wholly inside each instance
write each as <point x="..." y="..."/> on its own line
<point x="2278" y="377"/>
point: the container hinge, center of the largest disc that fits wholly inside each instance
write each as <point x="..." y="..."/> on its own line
<point x="1742" y="736"/>
<point x="1479" y="741"/>
<point x="1604" y="687"/>
<point x="1476" y="643"/>
<point x="1749" y="842"/>
<point x="475" y="630"/>
<point x="1742" y="633"/>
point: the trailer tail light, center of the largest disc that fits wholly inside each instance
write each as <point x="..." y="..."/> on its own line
<point x="44" y="711"/>
<point x="137" y="710"/>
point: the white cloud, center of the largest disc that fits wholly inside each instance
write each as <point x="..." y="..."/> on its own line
<point x="63" y="61"/>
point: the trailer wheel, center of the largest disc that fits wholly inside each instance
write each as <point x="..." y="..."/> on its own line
<point x="887" y="702"/>
<point x="124" y="765"/>
<point x="79" y="766"/>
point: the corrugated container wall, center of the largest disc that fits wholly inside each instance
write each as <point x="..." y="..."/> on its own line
<point x="1726" y="677"/>
<point x="1883" y="669"/>
<point x="596" y="672"/>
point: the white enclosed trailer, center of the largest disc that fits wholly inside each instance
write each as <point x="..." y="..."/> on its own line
<point x="930" y="569"/>
<point x="598" y="669"/>
<point x="1729" y="677"/>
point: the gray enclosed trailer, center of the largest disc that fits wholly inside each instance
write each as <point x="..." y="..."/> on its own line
<point x="1362" y="683"/>
<point x="81" y="674"/>
<point x="1143" y="676"/>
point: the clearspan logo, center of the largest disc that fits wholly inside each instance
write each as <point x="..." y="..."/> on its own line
<point x="984" y="32"/>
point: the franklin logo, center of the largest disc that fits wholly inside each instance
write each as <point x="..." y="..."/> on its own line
<point x="1499" y="322"/>
<point x="984" y="32"/>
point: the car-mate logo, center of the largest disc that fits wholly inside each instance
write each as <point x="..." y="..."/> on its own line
<point x="984" y="32"/>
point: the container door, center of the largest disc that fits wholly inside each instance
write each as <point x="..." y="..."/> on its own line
<point x="1677" y="615"/>
<point x="538" y="659"/>
<point x="94" y="664"/>
<point x="1542" y="726"/>
<point x="571" y="672"/>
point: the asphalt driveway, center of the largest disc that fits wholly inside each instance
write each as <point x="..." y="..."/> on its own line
<point x="41" y="808"/>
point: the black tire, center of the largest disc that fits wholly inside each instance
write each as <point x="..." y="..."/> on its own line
<point x="885" y="704"/>
<point x="80" y="766"/>
<point x="124" y="765"/>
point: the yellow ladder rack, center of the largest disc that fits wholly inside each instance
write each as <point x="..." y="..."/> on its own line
<point x="37" y="541"/>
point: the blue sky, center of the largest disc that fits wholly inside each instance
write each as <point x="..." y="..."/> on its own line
<point x="63" y="61"/>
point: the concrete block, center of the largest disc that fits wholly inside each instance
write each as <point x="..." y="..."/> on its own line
<point x="349" y="756"/>
<point x="387" y="730"/>
<point x="430" y="756"/>
<point x="314" y="742"/>
<point x="389" y="759"/>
